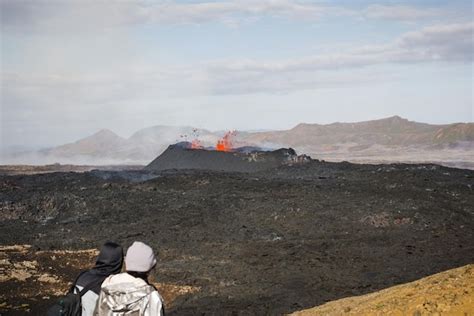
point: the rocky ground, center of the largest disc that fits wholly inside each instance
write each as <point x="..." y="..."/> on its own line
<point x="270" y="242"/>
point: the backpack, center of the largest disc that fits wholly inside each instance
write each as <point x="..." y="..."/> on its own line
<point x="70" y="304"/>
<point x="123" y="301"/>
<point x="129" y="299"/>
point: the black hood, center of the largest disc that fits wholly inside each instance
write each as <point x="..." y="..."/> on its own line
<point x="109" y="261"/>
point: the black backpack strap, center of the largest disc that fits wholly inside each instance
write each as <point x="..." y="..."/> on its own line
<point x="90" y="286"/>
<point x="73" y="286"/>
<point x="87" y="287"/>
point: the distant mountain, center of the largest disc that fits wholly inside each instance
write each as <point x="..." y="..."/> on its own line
<point x="461" y="132"/>
<point x="99" y="144"/>
<point x="389" y="139"/>
<point x="392" y="139"/>
<point x="392" y="131"/>
<point x="106" y="147"/>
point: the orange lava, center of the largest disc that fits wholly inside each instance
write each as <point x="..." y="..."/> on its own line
<point x="225" y="143"/>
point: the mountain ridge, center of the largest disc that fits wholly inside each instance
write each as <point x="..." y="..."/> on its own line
<point x="392" y="131"/>
<point x="335" y="141"/>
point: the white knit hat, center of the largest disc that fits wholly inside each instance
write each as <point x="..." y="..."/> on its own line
<point x="140" y="257"/>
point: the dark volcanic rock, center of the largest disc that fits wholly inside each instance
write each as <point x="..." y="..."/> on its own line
<point x="181" y="156"/>
<point x="262" y="243"/>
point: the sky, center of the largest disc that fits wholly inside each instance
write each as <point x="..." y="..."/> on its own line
<point x="71" y="68"/>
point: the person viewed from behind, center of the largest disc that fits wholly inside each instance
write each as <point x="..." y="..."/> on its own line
<point x="109" y="261"/>
<point x="130" y="293"/>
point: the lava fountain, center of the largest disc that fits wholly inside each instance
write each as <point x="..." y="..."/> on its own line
<point x="225" y="143"/>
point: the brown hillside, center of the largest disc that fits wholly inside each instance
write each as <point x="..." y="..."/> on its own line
<point x="98" y="144"/>
<point x="392" y="131"/>
<point x="446" y="293"/>
<point x="455" y="132"/>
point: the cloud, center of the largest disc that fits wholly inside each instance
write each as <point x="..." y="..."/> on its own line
<point x="436" y="43"/>
<point x="44" y="16"/>
<point x="452" y="42"/>
<point x="83" y="16"/>
<point x="74" y="15"/>
<point x="400" y="12"/>
<point x="218" y="11"/>
<point x="441" y="43"/>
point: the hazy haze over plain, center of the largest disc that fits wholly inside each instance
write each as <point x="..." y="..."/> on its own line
<point x="70" y="68"/>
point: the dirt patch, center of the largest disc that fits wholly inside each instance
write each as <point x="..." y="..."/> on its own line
<point x="384" y="219"/>
<point x="170" y="292"/>
<point x="446" y="293"/>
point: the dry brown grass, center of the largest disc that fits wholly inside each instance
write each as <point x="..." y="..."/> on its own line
<point x="446" y="293"/>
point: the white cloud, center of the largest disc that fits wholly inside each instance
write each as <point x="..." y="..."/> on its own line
<point x="83" y="16"/>
<point x="444" y="43"/>
<point x="87" y="15"/>
<point x="400" y="12"/>
<point x="218" y="11"/>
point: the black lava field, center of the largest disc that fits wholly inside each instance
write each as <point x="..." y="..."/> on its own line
<point x="268" y="242"/>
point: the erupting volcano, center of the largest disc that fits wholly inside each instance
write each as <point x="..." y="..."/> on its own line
<point x="186" y="155"/>
<point x="223" y="157"/>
